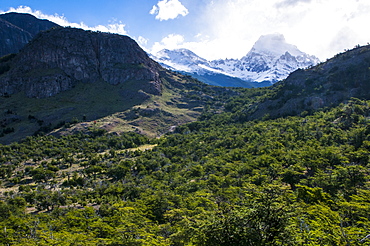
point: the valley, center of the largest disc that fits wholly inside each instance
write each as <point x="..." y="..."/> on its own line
<point x="101" y="145"/>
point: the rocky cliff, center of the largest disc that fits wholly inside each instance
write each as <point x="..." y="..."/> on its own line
<point x="28" y="23"/>
<point x="17" y="29"/>
<point x="12" y="38"/>
<point x="57" y="59"/>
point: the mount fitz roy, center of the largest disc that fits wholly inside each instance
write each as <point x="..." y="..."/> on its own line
<point x="271" y="59"/>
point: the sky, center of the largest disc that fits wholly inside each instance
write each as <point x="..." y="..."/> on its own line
<point x="214" y="29"/>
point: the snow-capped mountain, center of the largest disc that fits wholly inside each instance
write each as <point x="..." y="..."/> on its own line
<point x="184" y="60"/>
<point x="181" y="59"/>
<point x="271" y="59"/>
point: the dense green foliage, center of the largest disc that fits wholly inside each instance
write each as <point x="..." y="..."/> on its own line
<point x="300" y="180"/>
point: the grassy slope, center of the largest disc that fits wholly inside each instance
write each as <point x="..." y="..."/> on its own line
<point x="116" y="108"/>
<point x="90" y="101"/>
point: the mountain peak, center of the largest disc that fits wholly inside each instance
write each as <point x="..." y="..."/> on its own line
<point x="274" y="44"/>
<point x="177" y="53"/>
<point x="179" y="59"/>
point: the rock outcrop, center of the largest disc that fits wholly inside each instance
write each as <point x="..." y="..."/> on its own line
<point x="57" y="59"/>
<point x="12" y="38"/>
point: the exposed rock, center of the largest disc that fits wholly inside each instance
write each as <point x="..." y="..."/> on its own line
<point x="12" y="38"/>
<point x="57" y="59"/>
<point x="17" y="29"/>
<point x="28" y="23"/>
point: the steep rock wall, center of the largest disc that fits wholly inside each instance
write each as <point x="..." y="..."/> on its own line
<point x="57" y="59"/>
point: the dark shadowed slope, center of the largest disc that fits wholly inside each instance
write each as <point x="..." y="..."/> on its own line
<point x="17" y="29"/>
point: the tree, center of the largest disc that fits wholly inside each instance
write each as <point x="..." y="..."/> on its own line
<point x="264" y="221"/>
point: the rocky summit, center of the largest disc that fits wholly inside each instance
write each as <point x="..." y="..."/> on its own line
<point x="55" y="60"/>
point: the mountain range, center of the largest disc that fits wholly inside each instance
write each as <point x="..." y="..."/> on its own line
<point x="271" y="59"/>
<point x="67" y="80"/>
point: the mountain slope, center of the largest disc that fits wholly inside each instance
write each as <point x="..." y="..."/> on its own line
<point x="12" y="38"/>
<point x="65" y="76"/>
<point x="17" y="29"/>
<point x="325" y="85"/>
<point x="28" y="23"/>
<point x="57" y="59"/>
<point x="290" y="181"/>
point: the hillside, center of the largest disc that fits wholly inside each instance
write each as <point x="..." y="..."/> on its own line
<point x="290" y="181"/>
<point x="305" y="91"/>
<point x="57" y="59"/>
<point x="17" y="29"/>
<point x="66" y="76"/>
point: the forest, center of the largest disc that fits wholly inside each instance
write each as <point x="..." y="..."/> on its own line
<point x="222" y="180"/>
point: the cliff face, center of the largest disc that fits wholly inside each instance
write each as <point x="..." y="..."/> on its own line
<point x="57" y="59"/>
<point x="12" y="38"/>
<point x="28" y="23"/>
<point x="16" y="30"/>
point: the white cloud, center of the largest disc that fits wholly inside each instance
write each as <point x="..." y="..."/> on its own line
<point x="172" y="41"/>
<point x="286" y="3"/>
<point x="312" y="25"/>
<point x="229" y="28"/>
<point x="203" y="46"/>
<point x="118" y="27"/>
<point x="168" y="9"/>
<point x="142" y="41"/>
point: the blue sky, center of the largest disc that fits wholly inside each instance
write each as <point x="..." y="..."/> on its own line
<point x="214" y="29"/>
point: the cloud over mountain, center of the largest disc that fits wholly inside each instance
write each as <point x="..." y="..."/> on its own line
<point x="217" y="29"/>
<point x="115" y="27"/>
